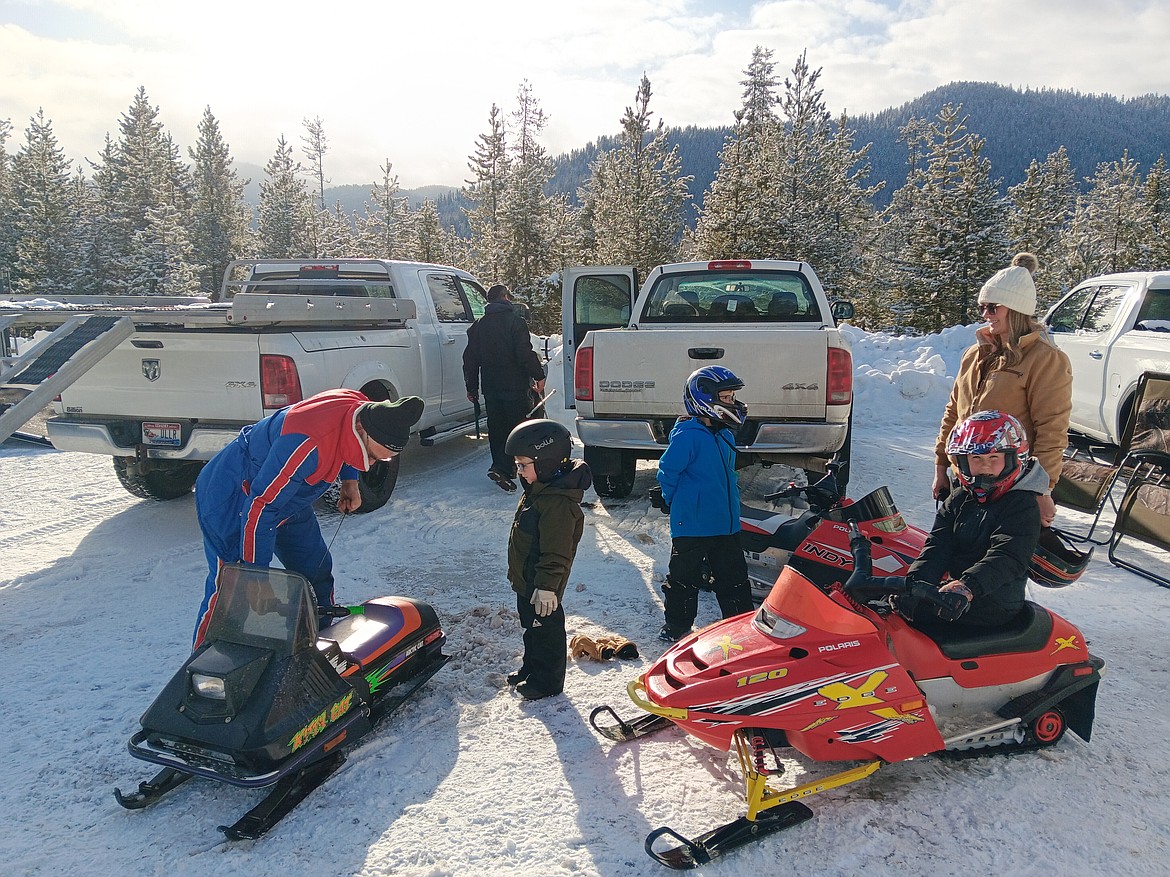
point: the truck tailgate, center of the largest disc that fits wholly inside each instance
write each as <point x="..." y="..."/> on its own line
<point x="646" y="373"/>
<point x="188" y="375"/>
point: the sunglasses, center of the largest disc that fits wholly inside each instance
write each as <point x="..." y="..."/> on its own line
<point x="989" y="309"/>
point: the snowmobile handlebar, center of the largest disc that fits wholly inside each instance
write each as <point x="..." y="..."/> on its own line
<point x="339" y="611"/>
<point x="822" y="495"/>
<point x="862" y="583"/>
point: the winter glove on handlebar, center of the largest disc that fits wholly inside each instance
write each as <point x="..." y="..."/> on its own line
<point x="546" y="602"/>
<point x="949" y="602"/>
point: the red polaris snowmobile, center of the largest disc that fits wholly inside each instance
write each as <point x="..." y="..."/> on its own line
<point x="816" y="541"/>
<point x="269" y="700"/>
<point x="837" y="676"/>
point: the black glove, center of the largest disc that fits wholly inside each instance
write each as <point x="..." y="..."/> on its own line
<point x="657" y="501"/>
<point x="949" y="605"/>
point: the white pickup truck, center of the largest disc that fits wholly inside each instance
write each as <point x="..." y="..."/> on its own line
<point x="191" y="375"/>
<point x="770" y="322"/>
<point x="1113" y="328"/>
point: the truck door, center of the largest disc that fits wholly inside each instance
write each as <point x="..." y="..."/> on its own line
<point x="1083" y="327"/>
<point x="454" y="313"/>
<point x="592" y="298"/>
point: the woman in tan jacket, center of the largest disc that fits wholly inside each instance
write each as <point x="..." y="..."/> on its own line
<point x="1013" y="367"/>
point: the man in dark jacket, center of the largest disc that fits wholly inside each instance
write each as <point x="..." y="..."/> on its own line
<point x="499" y="349"/>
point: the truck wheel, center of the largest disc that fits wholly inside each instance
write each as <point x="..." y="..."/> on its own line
<point x="157" y="479"/>
<point x="617" y="484"/>
<point x="374" y="485"/>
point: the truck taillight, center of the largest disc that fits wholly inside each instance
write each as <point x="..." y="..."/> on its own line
<point x="583" y="375"/>
<point x="279" y="382"/>
<point x="840" y="377"/>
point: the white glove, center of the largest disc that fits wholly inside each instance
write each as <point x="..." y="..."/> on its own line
<point x="545" y="602"/>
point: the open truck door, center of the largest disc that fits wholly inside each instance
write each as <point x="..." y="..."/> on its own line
<point x="592" y="298"/>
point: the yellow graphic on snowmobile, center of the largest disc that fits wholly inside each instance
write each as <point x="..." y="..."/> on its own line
<point x="321" y="722"/>
<point x="726" y="646"/>
<point x="762" y="676"/>
<point x="1066" y="642"/>
<point x="848" y="697"/>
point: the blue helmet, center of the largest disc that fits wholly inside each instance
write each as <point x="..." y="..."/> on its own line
<point x="701" y="396"/>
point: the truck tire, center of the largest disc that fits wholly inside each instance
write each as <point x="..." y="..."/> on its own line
<point x="374" y="485"/>
<point x="157" y="479"/>
<point x="613" y="471"/>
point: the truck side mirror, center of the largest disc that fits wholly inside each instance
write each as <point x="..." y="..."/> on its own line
<point x="841" y="310"/>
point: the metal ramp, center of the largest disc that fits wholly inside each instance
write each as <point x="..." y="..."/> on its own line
<point x="53" y="363"/>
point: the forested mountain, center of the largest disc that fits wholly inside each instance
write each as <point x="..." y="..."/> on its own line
<point x="1018" y="125"/>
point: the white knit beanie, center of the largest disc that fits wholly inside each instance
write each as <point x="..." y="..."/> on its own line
<point x="1011" y="287"/>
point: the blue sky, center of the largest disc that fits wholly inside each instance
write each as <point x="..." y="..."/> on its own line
<point x="413" y="83"/>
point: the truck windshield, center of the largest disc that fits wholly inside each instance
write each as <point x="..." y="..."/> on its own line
<point x="706" y="297"/>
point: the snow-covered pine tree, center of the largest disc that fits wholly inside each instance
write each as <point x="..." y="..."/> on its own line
<point x="949" y="221"/>
<point x="1158" y="202"/>
<point x="381" y="231"/>
<point x="428" y="240"/>
<point x="143" y="188"/>
<point x="1039" y="211"/>
<point x="731" y="224"/>
<point x="314" y="144"/>
<point x="823" y="209"/>
<point x="220" y="217"/>
<point x="1111" y="223"/>
<point x="7" y="231"/>
<point x="636" y="197"/>
<point x="285" y="207"/>
<point x="338" y="238"/>
<point x="43" y="215"/>
<point x="485" y="190"/>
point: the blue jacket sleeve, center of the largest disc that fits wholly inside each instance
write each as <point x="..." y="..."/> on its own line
<point x="291" y="460"/>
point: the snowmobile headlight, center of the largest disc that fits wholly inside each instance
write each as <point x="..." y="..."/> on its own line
<point x="208" y="686"/>
<point x="768" y="622"/>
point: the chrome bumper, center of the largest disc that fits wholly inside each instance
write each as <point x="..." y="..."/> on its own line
<point x="95" y="438"/>
<point x="819" y="439"/>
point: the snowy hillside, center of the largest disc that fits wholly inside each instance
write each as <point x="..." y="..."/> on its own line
<point x="99" y="593"/>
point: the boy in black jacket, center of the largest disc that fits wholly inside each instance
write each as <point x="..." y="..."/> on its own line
<point x="541" y="548"/>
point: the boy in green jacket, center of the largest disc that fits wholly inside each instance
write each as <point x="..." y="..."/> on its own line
<point x="541" y="548"/>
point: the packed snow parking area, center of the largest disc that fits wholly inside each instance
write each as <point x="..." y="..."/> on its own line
<point x="100" y="592"/>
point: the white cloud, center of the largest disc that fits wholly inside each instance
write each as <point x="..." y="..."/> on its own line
<point x="414" y="82"/>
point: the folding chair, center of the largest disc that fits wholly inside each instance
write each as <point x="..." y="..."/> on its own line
<point x="1144" y="514"/>
<point x="1086" y="481"/>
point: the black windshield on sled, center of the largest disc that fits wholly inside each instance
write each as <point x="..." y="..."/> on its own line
<point x="877" y="505"/>
<point x="269" y="608"/>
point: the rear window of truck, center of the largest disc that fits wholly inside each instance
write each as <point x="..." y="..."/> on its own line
<point x="707" y="297"/>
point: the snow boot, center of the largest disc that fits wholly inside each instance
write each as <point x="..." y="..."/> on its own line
<point x="502" y="479"/>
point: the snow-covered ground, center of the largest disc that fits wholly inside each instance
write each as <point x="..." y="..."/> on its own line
<point x="99" y="592"/>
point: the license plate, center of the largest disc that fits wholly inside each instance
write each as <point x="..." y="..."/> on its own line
<point x="169" y="435"/>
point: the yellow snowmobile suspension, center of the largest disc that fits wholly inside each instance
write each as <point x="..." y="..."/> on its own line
<point x="760" y="796"/>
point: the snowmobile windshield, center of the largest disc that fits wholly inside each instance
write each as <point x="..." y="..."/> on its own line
<point x="270" y="608"/>
<point x="876" y="507"/>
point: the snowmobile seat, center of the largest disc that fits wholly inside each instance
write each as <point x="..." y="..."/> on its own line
<point x="1029" y="632"/>
<point x="385" y="623"/>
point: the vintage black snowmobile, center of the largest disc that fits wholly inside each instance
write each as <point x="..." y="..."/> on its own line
<point x="270" y="700"/>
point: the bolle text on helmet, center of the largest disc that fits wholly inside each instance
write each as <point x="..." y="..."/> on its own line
<point x="544" y="444"/>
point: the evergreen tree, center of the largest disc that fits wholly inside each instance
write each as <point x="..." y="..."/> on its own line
<point x="429" y="241"/>
<point x="337" y="233"/>
<point x="636" y="196"/>
<point x="7" y="231"/>
<point x="732" y="224"/>
<point x="1157" y="194"/>
<point x="315" y="144"/>
<point x="1040" y="210"/>
<point x="948" y="222"/>
<point x="381" y="230"/>
<point x="43" y="216"/>
<point x="285" y="208"/>
<point x="143" y="188"/>
<point x="823" y="209"/>
<point x="219" y="216"/>
<point x="1112" y="220"/>
<point x="90" y="245"/>
<point x="524" y="208"/>
<point x="485" y="190"/>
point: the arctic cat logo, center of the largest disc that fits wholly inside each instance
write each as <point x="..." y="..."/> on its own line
<point x="321" y="722"/>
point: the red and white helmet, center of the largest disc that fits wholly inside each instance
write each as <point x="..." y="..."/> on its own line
<point x="988" y="432"/>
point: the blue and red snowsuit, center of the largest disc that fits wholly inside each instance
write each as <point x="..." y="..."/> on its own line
<point x="255" y="498"/>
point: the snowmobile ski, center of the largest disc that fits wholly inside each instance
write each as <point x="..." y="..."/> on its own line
<point x="714" y="843"/>
<point x="153" y="789"/>
<point x="623" y="731"/>
<point x="285" y="795"/>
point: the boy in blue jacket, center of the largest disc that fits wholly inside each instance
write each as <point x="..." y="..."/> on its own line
<point x="254" y="500"/>
<point x="701" y="491"/>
